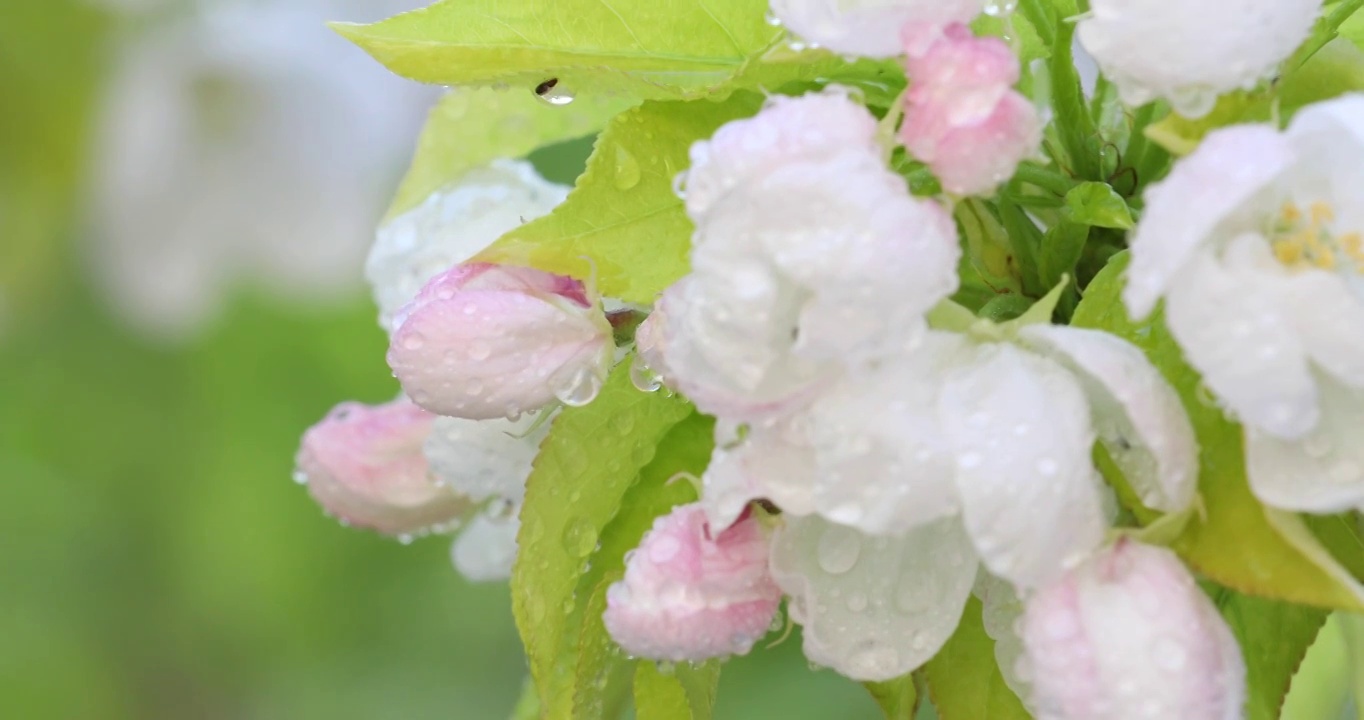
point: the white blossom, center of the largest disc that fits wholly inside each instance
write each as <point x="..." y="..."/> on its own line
<point x="1190" y="52"/>
<point x="242" y="140"/>
<point x="451" y="226"/>
<point x="869" y="28"/>
<point x="1254" y="242"/>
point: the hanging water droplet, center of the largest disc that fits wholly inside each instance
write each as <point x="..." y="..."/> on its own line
<point x="405" y="539"/>
<point x="772" y="19"/>
<point x="642" y="377"/>
<point x="627" y="169"/>
<point x="582" y="388"/>
<point x="680" y="184"/>
<point x="300" y="477"/>
<point x="553" y="92"/>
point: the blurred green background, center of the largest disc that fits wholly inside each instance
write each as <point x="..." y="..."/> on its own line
<point x="157" y="560"/>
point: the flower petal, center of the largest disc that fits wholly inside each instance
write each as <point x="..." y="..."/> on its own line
<point x="1329" y="320"/>
<point x="452" y="225"/>
<point x="692" y="591"/>
<point x="773" y="462"/>
<point x="1322" y="472"/>
<point x="1136" y="413"/>
<point x="882" y="463"/>
<point x="873" y="608"/>
<point x="484" y="459"/>
<point x="867" y="28"/>
<point x="1020" y="428"/>
<point x="1211" y="194"/>
<point x="1252" y="360"/>
<point x="486" y="548"/>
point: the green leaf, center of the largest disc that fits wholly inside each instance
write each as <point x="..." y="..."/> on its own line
<point x="663" y="49"/>
<point x="964" y="679"/>
<point x="586" y="465"/>
<point x="1097" y="204"/>
<point x="1237" y="545"/>
<point x="623" y="221"/>
<point x="470" y="127"/>
<point x="898" y="698"/>
<point x="685" y="692"/>
<point x="1274" y="637"/>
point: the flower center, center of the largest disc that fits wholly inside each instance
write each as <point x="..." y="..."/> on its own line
<point x="1305" y="240"/>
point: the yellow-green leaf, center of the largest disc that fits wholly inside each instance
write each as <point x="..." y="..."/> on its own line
<point x="964" y="679"/>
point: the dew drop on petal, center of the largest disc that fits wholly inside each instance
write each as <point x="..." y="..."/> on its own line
<point x="642" y="377"/>
<point x="839" y="549"/>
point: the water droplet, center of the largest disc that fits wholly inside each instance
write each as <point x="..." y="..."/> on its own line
<point x="969" y="460"/>
<point x="553" y="92"/>
<point x="300" y="477"/>
<point x="642" y="377"/>
<point x="772" y="19"/>
<point x="680" y="184"/>
<point x="838" y="550"/>
<point x="1317" y="445"/>
<point x="627" y="169"/>
<point x="1047" y="466"/>
<point x="480" y="351"/>
<point x="580" y="537"/>
<point x="1000" y="8"/>
<point x="857" y="602"/>
<point x="666" y="668"/>
<point x="582" y="388"/>
<point x="415" y="341"/>
<point x="405" y="538"/>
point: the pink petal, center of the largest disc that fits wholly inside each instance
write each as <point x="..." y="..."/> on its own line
<point x="691" y="592"/>
<point x="364" y="465"/>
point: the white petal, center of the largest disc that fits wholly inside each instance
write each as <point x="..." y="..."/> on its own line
<point x="1190" y="52"/>
<point x="1136" y="413"/>
<point x="1235" y="333"/>
<point x="1020" y="427"/>
<point x="883" y="463"/>
<point x="1322" y="472"/>
<point x="483" y="459"/>
<point x="452" y="225"/>
<point x="486" y="548"/>
<point x="870" y="28"/>
<point x="873" y="608"/>
<point x="1215" y="192"/>
<point x="1000" y="610"/>
<point x="1329" y="319"/>
<point x="774" y="462"/>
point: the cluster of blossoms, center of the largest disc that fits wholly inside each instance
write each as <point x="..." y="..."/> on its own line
<point x="881" y="453"/>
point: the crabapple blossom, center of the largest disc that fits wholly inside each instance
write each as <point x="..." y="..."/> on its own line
<point x="487" y="461"/>
<point x="803" y="259"/>
<point x="451" y="226"/>
<point x="868" y="28"/>
<point x="693" y="591"/>
<point x="1254" y="242"/>
<point x="364" y="465"/>
<point x="1129" y="635"/>
<point x="483" y="341"/>
<point x="961" y="450"/>
<point x="962" y="116"/>
<point x="241" y="141"/>
<point x="1188" y="53"/>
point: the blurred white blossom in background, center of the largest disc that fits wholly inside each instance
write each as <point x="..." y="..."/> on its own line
<point x="242" y="143"/>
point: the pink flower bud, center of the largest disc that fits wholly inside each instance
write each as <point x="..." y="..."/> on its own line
<point x="690" y="593"/>
<point x="1129" y="635"/>
<point x="962" y="116"/>
<point x="482" y="341"/>
<point x="364" y="465"/>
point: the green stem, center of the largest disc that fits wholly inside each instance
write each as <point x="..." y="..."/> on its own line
<point x="1044" y="178"/>
<point x="1041" y="18"/>
<point x="1323" y="32"/>
<point x="1074" y="125"/>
